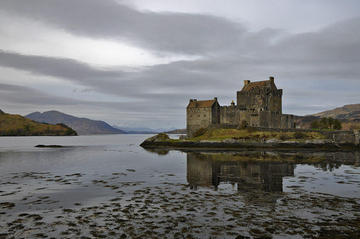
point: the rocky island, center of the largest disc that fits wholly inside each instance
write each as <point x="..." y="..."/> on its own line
<point x="256" y="121"/>
<point x="252" y="139"/>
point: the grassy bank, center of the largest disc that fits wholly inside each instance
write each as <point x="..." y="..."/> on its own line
<point x="254" y="135"/>
<point x="16" y="125"/>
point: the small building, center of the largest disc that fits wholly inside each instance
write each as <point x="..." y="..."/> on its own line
<point x="202" y="114"/>
<point x="258" y="104"/>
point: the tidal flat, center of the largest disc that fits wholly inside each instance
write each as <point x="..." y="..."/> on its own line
<point x="109" y="187"/>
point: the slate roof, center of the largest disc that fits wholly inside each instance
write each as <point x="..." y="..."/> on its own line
<point x="201" y="104"/>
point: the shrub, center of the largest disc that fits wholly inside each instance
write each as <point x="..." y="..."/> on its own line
<point x="326" y="123"/>
<point x="162" y="136"/>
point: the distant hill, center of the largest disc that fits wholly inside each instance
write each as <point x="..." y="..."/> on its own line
<point x="83" y="126"/>
<point x="141" y="130"/>
<point x="177" y="131"/>
<point x="136" y="130"/>
<point x="347" y="112"/>
<point x="349" y="115"/>
<point x="17" y="125"/>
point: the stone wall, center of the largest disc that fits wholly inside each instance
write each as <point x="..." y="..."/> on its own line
<point x="260" y="100"/>
<point x="287" y="121"/>
<point x="266" y="119"/>
<point x="201" y="117"/>
<point x="229" y="115"/>
<point x="197" y="118"/>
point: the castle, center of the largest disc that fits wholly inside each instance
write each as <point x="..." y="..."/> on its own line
<point x="259" y="104"/>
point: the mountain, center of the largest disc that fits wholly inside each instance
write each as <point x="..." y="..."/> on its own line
<point x="17" y="125"/>
<point x="141" y="130"/>
<point x="177" y="131"/>
<point x="347" y="112"/>
<point x="136" y="130"/>
<point x="349" y="115"/>
<point x="83" y="126"/>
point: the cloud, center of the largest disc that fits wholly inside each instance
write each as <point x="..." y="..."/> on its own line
<point x="316" y="69"/>
<point x="181" y="33"/>
<point x="16" y="99"/>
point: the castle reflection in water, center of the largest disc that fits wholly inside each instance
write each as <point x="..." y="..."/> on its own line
<point x="263" y="171"/>
<point x="210" y="170"/>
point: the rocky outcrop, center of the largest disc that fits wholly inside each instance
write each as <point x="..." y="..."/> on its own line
<point x="159" y="138"/>
<point x="163" y="141"/>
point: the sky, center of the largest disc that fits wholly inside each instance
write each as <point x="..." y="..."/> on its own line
<point x="136" y="63"/>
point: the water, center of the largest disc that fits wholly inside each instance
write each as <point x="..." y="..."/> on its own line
<point x="108" y="186"/>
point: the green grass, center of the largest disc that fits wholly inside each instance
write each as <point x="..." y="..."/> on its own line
<point x="250" y="134"/>
<point x="16" y="125"/>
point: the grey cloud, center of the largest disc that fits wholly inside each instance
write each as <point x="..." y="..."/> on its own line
<point x="317" y="69"/>
<point x="138" y="84"/>
<point x="26" y="95"/>
<point x="20" y="99"/>
<point x="169" y="32"/>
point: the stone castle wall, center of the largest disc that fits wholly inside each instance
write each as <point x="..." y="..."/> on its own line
<point x="197" y="118"/>
<point x="260" y="100"/>
<point x="259" y="104"/>
<point x="234" y="116"/>
<point x="201" y="117"/>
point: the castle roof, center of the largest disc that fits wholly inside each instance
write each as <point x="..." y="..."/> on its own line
<point x="260" y="84"/>
<point x="201" y="103"/>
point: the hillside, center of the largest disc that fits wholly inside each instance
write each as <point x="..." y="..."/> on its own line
<point x="347" y="112"/>
<point x="349" y="115"/>
<point x="16" y="125"/>
<point x="137" y="130"/>
<point x="83" y="126"/>
<point x="177" y="131"/>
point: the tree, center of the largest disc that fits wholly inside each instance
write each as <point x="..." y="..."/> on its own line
<point x="326" y="123"/>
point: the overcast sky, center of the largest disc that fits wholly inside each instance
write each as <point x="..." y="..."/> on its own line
<point x="138" y="62"/>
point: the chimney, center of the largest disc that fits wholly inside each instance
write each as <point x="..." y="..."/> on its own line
<point x="246" y="82"/>
<point x="271" y="78"/>
<point x="215" y="98"/>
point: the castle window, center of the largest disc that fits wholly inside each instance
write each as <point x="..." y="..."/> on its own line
<point x="204" y="115"/>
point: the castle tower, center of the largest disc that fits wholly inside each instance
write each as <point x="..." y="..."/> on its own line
<point x="260" y="96"/>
